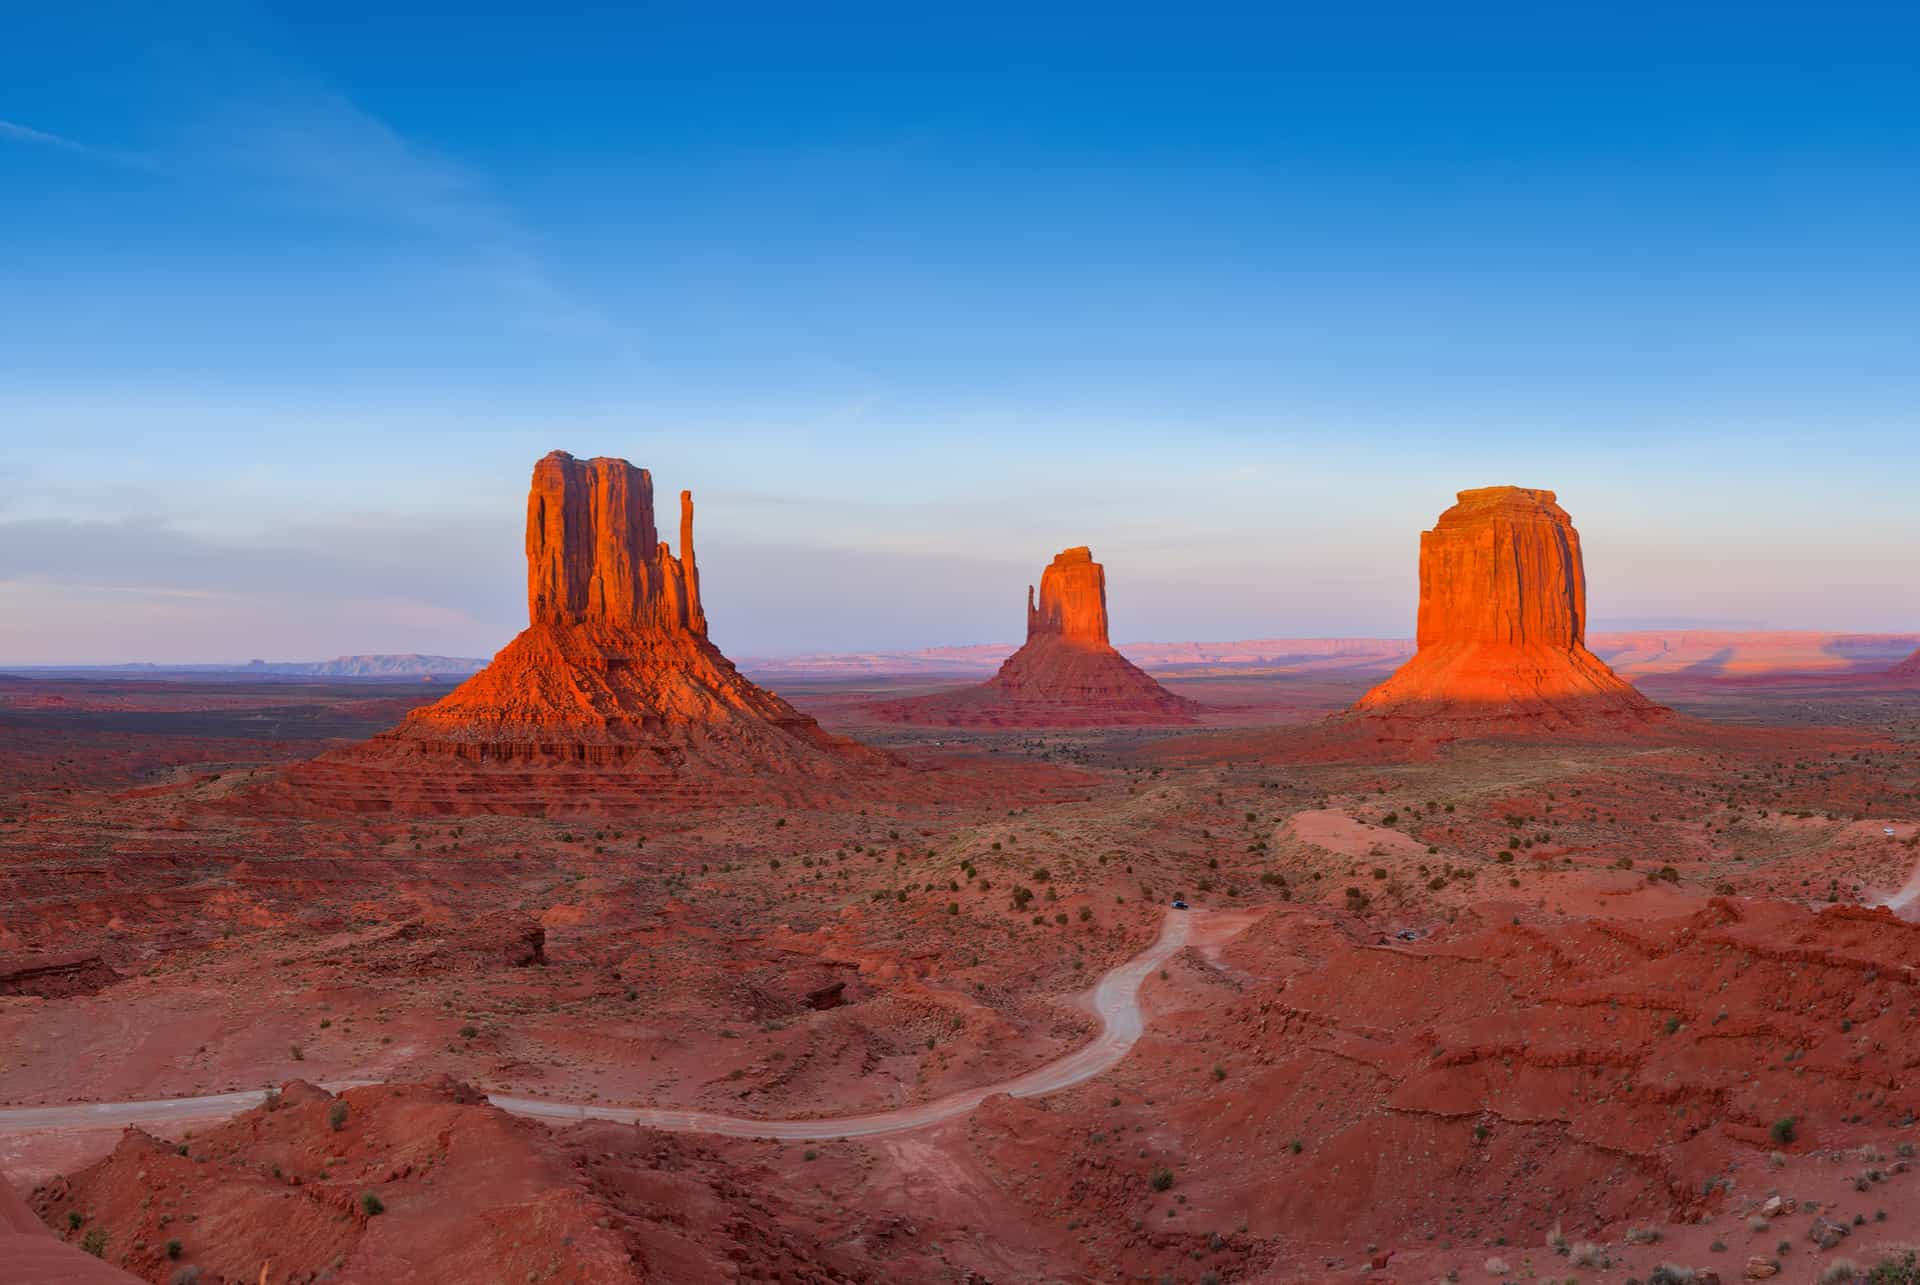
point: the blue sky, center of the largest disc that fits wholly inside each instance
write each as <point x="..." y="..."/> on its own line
<point x="294" y="296"/>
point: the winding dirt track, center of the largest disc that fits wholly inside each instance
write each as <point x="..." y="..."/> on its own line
<point x="1115" y="1000"/>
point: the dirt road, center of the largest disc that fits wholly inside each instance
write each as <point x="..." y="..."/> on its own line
<point x="1115" y="1000"/>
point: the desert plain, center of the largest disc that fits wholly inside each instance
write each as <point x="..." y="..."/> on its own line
<point x="313" y="978"/>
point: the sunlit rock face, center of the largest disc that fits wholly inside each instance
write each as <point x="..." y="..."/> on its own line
<point x="1503" y="621"/>
<point x="614" y="673"/>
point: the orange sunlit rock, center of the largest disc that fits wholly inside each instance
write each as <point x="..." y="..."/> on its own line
<point x="614" y="674"/>
<point x="1068" y="673"/>
<point x="1502" y="626"/>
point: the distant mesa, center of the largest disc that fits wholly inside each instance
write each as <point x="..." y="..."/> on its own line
<point x="1502" y="625"/>
<point x="611" y="699"/>
<point x="402" y="666"/>
<point x="1068" y="673"/>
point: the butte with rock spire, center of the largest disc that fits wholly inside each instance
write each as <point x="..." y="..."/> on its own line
<point x="1066" y="675"/>
<point x="1502" y="626"/>
<point x="611" y="699"/>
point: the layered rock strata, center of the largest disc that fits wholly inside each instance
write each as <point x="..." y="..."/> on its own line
<point x="612" y="698"/>
<point x="1502" y="623"/>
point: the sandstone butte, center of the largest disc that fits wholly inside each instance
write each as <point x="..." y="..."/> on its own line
<point x="612" y="697"/>
<point x="1502" y="626"/>
<point x="1066" y="675"/>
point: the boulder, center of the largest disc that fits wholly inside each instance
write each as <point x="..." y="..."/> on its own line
<point x="1826" y="1233"/>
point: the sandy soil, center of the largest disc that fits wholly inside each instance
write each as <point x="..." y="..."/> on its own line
<point x="1481" y="988"/>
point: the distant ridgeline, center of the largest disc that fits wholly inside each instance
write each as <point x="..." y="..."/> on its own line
<point x="406" y="665"/>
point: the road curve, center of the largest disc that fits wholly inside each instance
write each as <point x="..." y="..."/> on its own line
<point x="1116" y="1001"/>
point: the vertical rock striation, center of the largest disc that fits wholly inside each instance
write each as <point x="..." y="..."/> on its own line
<point x="1502" y="623"/>
<point x="1073" y="600"/>
<point x="612" y="698"/>
<point x="593" y="555"/>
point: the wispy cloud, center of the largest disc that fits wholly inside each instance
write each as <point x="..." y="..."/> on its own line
<point x="18" y="133"/>
<point x="27" y="134"/>
<point x="312" y="147"/>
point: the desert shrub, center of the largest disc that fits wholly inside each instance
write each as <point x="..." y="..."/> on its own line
<point x="1896" y="1271"/>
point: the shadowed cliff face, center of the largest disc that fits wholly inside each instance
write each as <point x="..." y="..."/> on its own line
<point x="1502" y="627"/>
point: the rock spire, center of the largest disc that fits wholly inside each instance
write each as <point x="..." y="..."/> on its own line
<point x="1067" y="675"/>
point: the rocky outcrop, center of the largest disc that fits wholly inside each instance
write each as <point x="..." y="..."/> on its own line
<point x="593" y="555"/>
<point x="612" y="699"/>
<point x="1073" y="600"/>
<point x="31" y="1254"/>
<point x="1502" y="624"/>
<point x="55" y="976"/>
<point x="1068" y="673"/>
